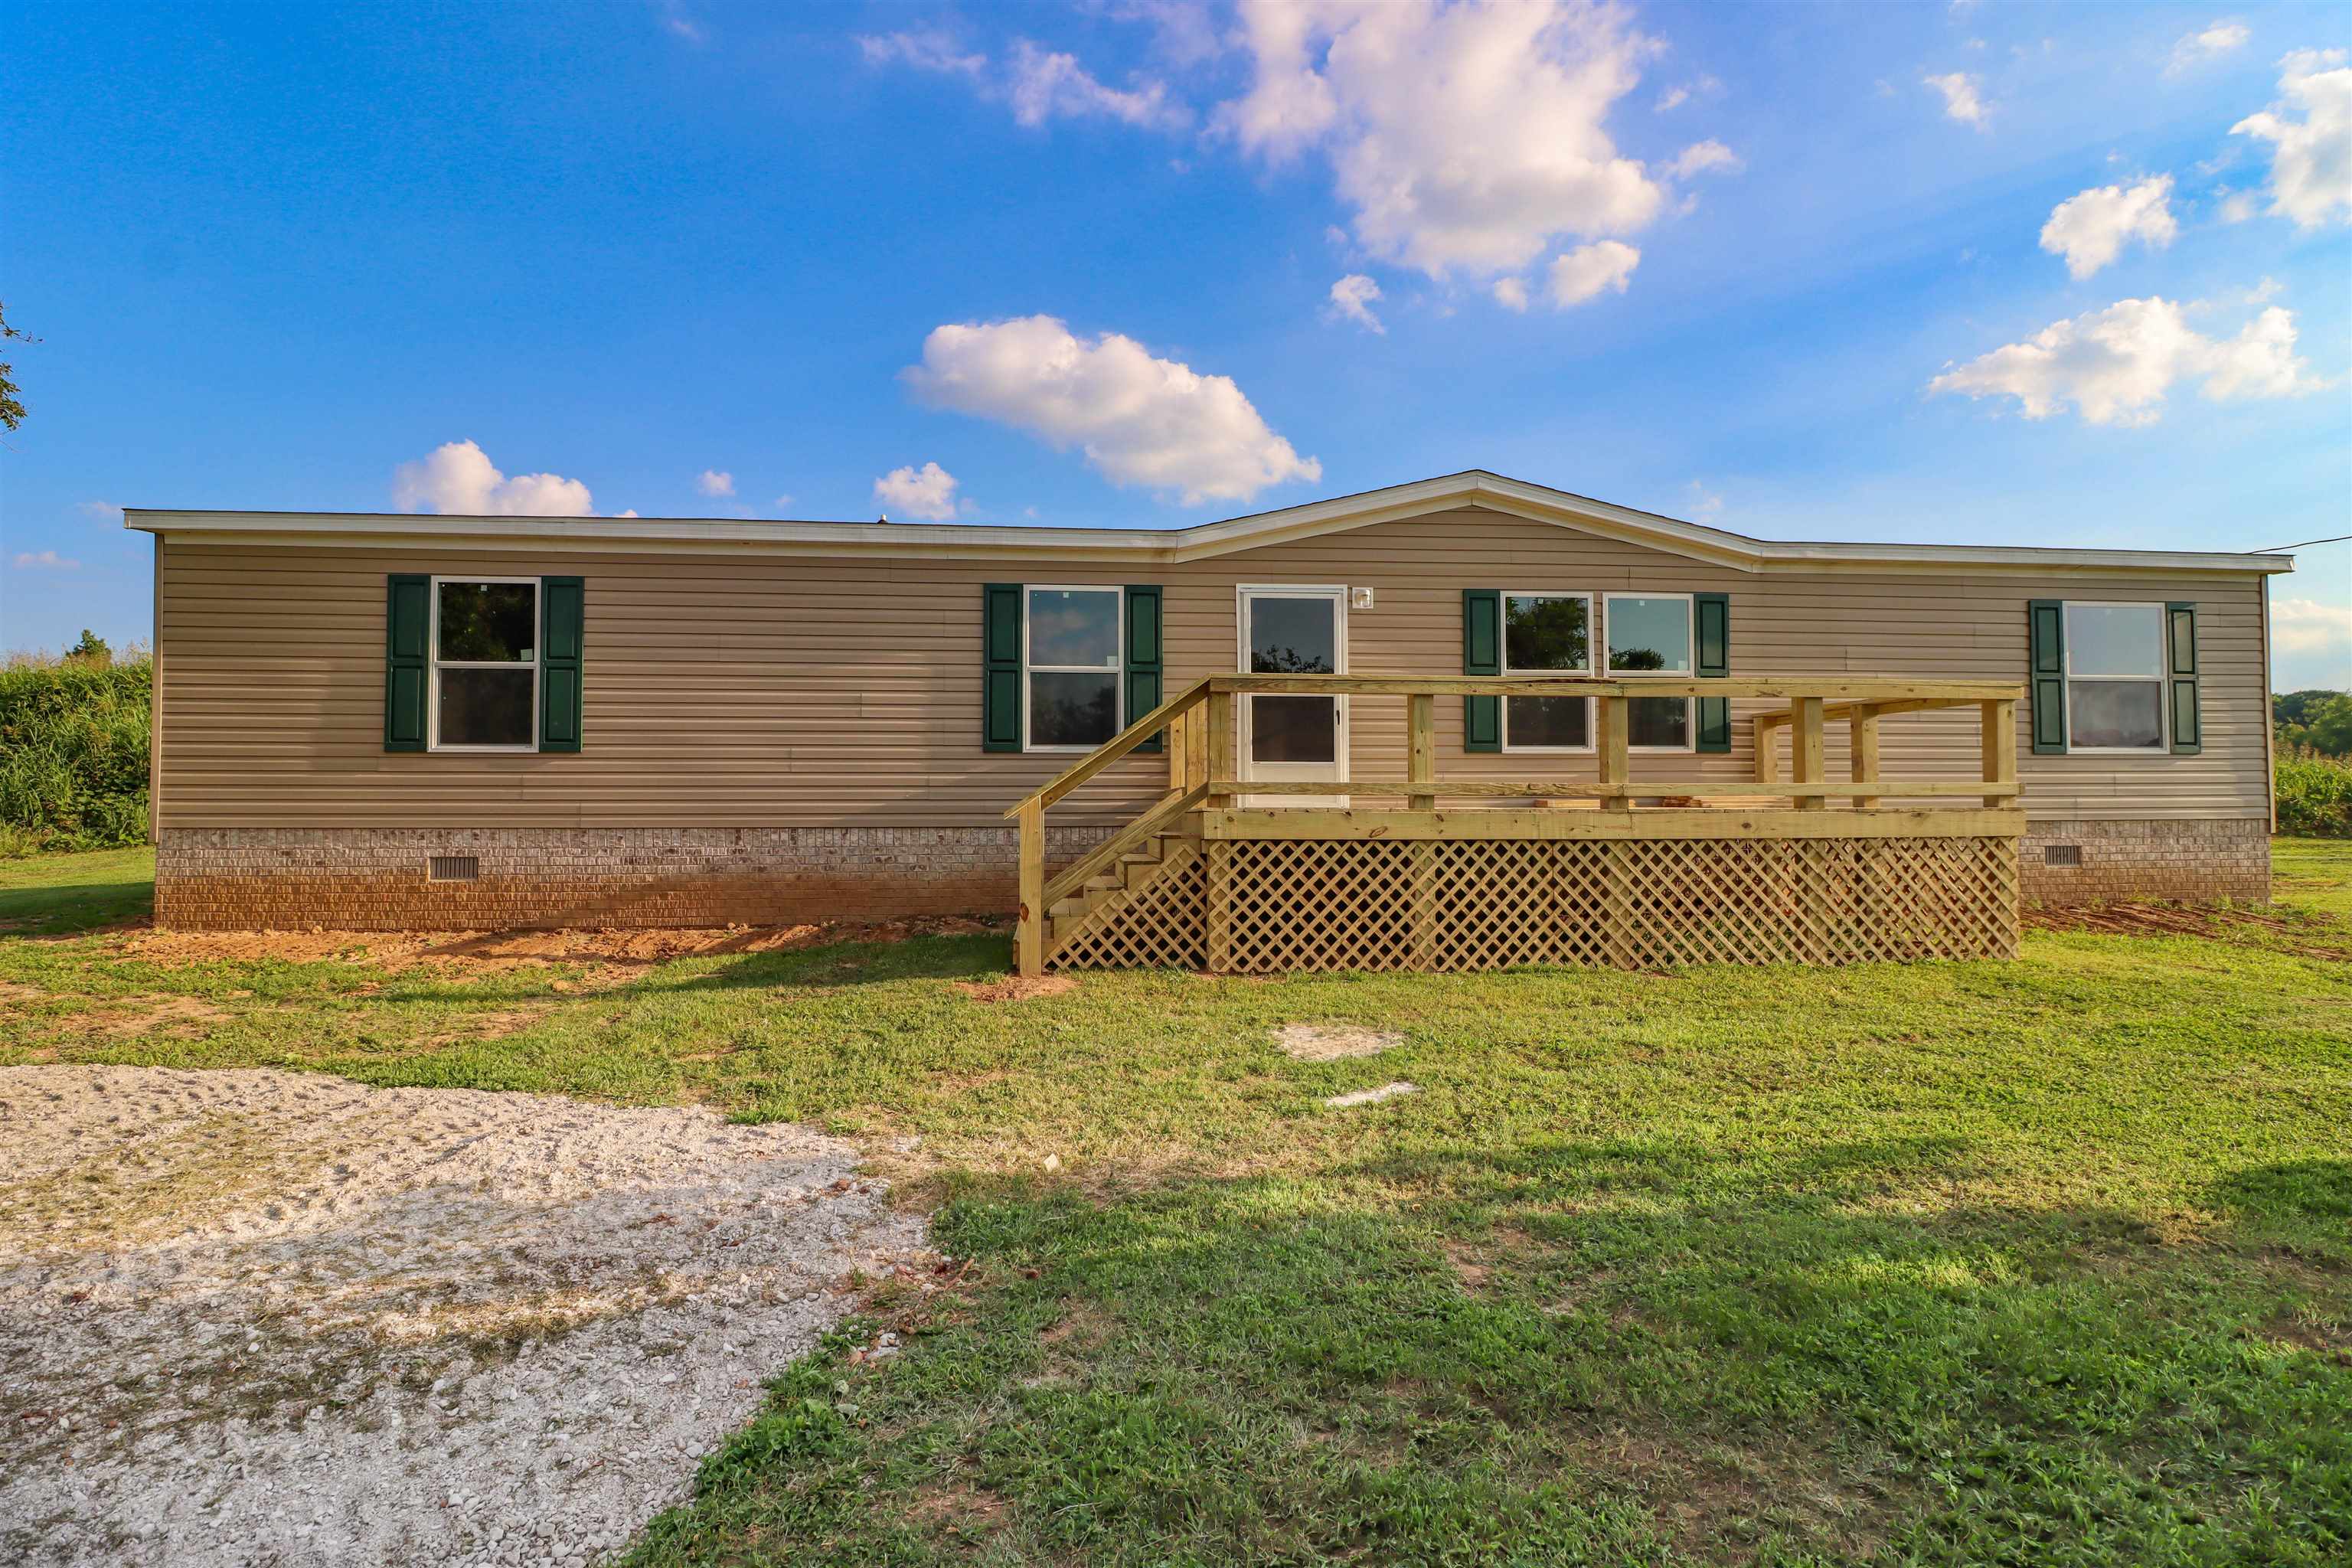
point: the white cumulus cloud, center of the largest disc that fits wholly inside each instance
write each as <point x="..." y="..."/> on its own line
<point x="1511" y="293"/>
<point x="2089" y="228"/>
<point x="1352" y="298"/>
<point x="459" y="480"/>
<point x="2310" y="158"/>
<point x="926" y="492"/>
<point x="1044" y="85"/>
<point x="2209" y="42"/>
<point x="2309" y="629"/>
<point x="2113" y="366"/>
<point x="1587" y="270"/>
<point x="1465" y="137"/>
<point x="1139" y="419"/>
<point x="45" y="560"/>
<point x="1038" y="84"/>
<point x="715" y="482"/>
<point x="929" y="50"/>
<point x="1701" y="156"/>
<point x="102" y="510"/>
<point x="1962" y="100"/>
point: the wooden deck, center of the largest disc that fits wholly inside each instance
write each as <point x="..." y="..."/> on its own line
<point x="1804" y="870"/>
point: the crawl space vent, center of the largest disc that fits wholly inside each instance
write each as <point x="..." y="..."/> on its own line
<point x="2062" y="855"/>
<point x="453" y="868"/>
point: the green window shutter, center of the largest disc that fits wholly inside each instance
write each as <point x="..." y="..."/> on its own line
<point x="1000" y="701"/>
<point x="1143" y="656"/>
<point x="408" y="626"/>
<point x="2181" y="639"/>
<point x="1482" y="654"/>
<point x="563" y="607"/>
<point x="2045" y="659"/>
<point x="1713" y="613"/>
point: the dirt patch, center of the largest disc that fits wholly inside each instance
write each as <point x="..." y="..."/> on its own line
<point x="11" y="992"/>
<point x="1017" y="987"/>
<point x="956" y="1506"/>
<point x="1330" y="1042"/>
<point x="491" y="1025"/>
<point x="141" y="1017"/>
<point x="1371" y="1095"/>
<point x="1468" y="1266"/>
<point x="2210" y="921"/>
<point x="382" y="1327"/>
<point x="613" y="955"/>
<point x="2327" y="1340"/>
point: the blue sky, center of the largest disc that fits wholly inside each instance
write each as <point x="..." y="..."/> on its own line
<point x="1139" y="262"/>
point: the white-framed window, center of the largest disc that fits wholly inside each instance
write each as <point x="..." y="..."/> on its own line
<point x="1073" y="653"/>
<point x="1546" y="634"/>
<point x="1651" y="634"/>
<point x="2115" y="676"/>
<point x="485" y="657"/>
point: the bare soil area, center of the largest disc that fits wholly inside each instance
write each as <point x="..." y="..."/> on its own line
<point x="267" y="1318"/>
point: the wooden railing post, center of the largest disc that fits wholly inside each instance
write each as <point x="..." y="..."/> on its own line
<point x="1029" y="943"/>
<point x="1178" y="758"/>
<point x="1220" y="743"/>
<point x="1767" y="748"/>
<point x="1862" y="744"/>
<point x="1998" y="722"/>
<point x="1805" y="754"/>
<point x="1614" y="714"/>
<point x="1421" y="748"/>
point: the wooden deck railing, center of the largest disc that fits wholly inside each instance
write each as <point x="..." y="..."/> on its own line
<point x="1199" y="723"/>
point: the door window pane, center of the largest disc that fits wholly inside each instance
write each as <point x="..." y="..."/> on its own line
<point x="1547" y="722"/>
<point x="1293" y="730"/>
<point x="1069" y="707"/>
<point x="1658" y="722"/>
<point x="487" y="623"/>
<point x="1649" y="633"/>
<point x="1294" y="636"/>
<point x="2115" y="640"/>
<point x="485" y="708"/>
<point x="2115" y="713"/>
<point x="1546" y="632"/>
<point x="1074" y="628"/>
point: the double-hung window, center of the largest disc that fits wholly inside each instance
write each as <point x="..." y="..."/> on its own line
<point x="486" y="664"/>
<point x="1650" y="634"/>
<point x="1546" y="634"/>
<point x="1071" y="658"/>
<point x="2115" y="676"/>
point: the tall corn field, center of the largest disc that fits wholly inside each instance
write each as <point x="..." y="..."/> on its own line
<point x="73" y="754"/>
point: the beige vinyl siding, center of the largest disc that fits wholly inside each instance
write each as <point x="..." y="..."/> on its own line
<point x="761" y="690"/>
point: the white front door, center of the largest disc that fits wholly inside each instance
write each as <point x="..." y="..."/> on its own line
<point x="1285" y="738"/>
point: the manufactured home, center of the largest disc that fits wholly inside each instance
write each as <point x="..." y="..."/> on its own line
<point x="1461" y="721"/>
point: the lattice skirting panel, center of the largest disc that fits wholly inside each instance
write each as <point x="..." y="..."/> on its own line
<point x="1161" y="923"/>
<point x="1256" y="906"/>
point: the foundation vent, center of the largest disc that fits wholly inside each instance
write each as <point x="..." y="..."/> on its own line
<point x="2062" y="855"/>
<point x="453" y="869"/>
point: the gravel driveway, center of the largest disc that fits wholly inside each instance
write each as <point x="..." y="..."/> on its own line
<point x="270" y="1318"/>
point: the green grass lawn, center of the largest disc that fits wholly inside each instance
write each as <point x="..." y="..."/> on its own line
<point x="2039" y="1262"/>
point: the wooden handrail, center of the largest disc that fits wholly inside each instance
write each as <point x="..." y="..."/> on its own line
<point x="1199" y="723"/>
<point x="1583" y="789"/>
<point x="1118" y="746"/>
<point x="1126" y="838"/>
<point x="1886" y="695"/>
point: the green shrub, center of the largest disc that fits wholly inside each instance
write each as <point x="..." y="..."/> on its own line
<point x="73" y="754"/>
<point x="2315" y="794"/>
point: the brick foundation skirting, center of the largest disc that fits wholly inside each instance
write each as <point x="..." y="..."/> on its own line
<point x="222" y="878"/>
<point x="2196" y="861"/>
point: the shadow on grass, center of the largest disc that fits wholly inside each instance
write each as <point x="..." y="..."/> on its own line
<point x="1617" y="1351"/>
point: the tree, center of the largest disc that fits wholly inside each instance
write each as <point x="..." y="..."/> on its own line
<point x="2318" y="719"/>
<point x="92" y="649"/>
<point x="11" y="409"/>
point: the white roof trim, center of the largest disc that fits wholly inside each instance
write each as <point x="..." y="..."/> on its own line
<point x="962" y="541"/>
